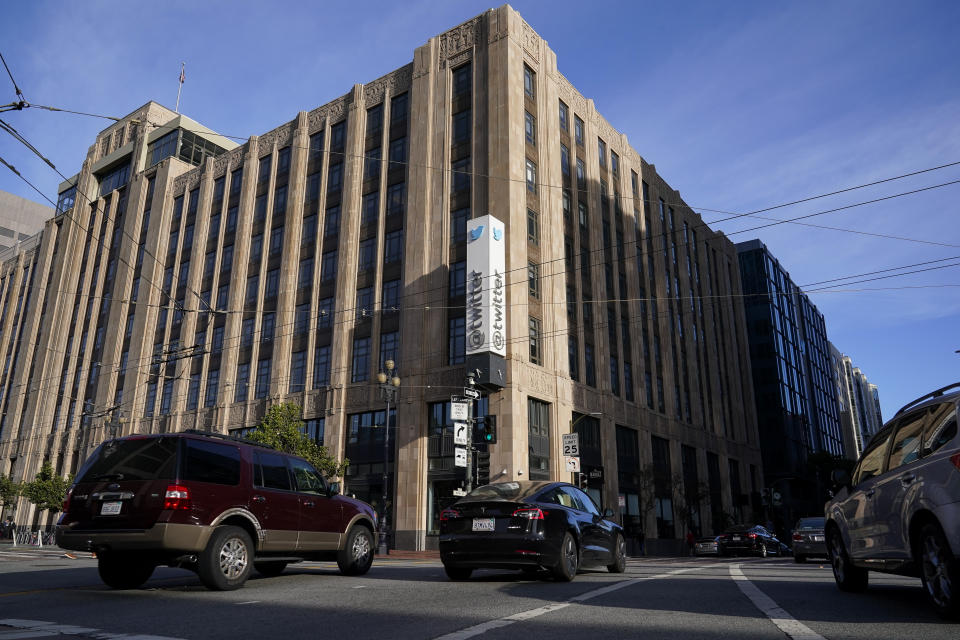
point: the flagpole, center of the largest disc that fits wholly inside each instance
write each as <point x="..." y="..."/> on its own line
<point x="179" y="88"/>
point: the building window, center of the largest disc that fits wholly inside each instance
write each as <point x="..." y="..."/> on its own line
<point x="301" y="319"/>
<point x="364" y="306"/>
<point x="530" y="128"/>
<point x="536" y="353"/>
<point x="328" y="266"/>
<point x="390" y="299"/>
<point x="193" y="392"/>
<point x="216" y="344"/>
<point x="396" y="198"/>
<point x="321" y="367"/>
<point x="360" y="370"/>
<point x="397" y="155"/>
<point x="263" y="378"/>
<point x="589" y="364"/>
<point x="213" y="386"/>
<point x="564" y="117"/>
<point x="529" y="82"/>
<point x="458" y="225"/>
<point x="325" y="313"/>
<point x="389" y="347"/>
<point x="573" y="355"/>
<point x="371" y="168"/>
<point x="461" y="175"/>
<point x="614" y="163"/>
<point x="298" y="371"/>
<point x="461" y="128"/>
<point x="367" y="255"/>
<point x="305" y="276"/>
<point x="335" y="177"/>
<point x="614" y="376"/>
<point x="223" y="297"/>
<point x="462" y="79"/>
<point x="458" y="279"/>
<point x="246" y="332"/>
<point x="267" y="326"/>
<point x="578" y="130"/>
<point x="538" y="421"/>
<point x="533" y="279"/>
<point x="531" y="176"/>
<point x="393" y="247"/>
<point x="256" y="247"/>
<point x="533" y="227"/>
<point x="276" y="241"/>
<point x="273" y="283"/>
<point x="456" y="341"/>
<point x="253" y="288"/>
<point x="564" y="160"/>
<point x="581" y="177"/>
<point x="243" y="382"/>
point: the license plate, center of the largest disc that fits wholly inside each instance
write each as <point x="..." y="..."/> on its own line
<point x="483" y="524"/>
<point x="818" y="538"/>
<point x="736" y="538"/>
<point x="110" y="508"/>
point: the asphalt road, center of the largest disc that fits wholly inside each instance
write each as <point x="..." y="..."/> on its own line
<point x="46" y="594"/>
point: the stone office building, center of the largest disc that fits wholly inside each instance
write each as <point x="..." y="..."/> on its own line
<point x="193" y="283"/>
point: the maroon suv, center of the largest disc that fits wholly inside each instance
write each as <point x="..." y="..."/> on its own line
<point x="213" y="504"/>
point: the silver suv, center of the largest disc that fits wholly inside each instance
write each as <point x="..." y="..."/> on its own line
<point x="899" y="512"/>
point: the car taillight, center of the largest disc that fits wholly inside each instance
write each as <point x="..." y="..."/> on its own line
<point x="955" y="459"/>
<point x="751" y="535"/>
<point x="177" y="498"/>
<point x="798" y="537"/>
<point x="449" y="514"/>
<point x="530" y="513"/>
<point x="66" y="501"/>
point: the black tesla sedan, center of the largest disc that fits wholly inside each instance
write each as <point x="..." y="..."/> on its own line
<point x="529" y="526"/>
<point x="745" y="538"/>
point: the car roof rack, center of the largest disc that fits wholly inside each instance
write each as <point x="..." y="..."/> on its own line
<point x="933" y="394"/>
<point x="227" y="436"/>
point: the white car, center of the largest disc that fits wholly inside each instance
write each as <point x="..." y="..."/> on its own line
<point x="899" y="512"/>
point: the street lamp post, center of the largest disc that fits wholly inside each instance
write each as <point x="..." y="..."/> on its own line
<point x="389" y="388"/>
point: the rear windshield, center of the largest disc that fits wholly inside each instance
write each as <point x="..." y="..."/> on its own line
<point x="811" y="523"/>
<point x="500" y="491"/>
<point x="137" y="459"/>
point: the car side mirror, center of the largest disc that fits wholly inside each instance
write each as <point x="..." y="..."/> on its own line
<point x="608" y="513"/>
<point x="840" y="478"/>
<point x="334" y="488"/>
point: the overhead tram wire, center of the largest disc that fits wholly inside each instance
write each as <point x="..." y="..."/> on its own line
<point x="16" y="88"/>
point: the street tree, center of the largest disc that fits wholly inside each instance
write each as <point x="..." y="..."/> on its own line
<point x="9" y="490"/>
<point x="688" y="497"/>
<point x="283" y="429"/>
<point x="47" y="490"/>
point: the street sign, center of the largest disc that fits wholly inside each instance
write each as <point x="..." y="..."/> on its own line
<point x="460" y="457"/>
<point x="459" y="411"/>
<point x="571" y="444"/>
<point x="459" y="493"/>
<point x="471" y="393"/>
<point x="461" y="433"/>
<point x="573" y="463"/>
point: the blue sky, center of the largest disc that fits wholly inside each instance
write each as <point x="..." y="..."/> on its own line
<point x="741" y="106"/>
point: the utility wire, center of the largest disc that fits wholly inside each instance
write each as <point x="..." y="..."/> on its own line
<point x="15" y="87"/>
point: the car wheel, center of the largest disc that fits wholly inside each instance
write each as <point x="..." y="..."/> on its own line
<point x="763" y="550"/>
<point x="457" y="573"/>
<point x="270" y="568"/>
<point x="619" y="564"/>
<point x="123" y="571"/>
<point x="799" y="559"/>
<point x="848" y="577"/>
<point x="940" y="571"/>
<point x="356" y="556"/>
<point x="225" y="564"/>
<point x="566" y="568"/>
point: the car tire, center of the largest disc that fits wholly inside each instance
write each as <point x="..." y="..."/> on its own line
<point x="123" y="571"/>
<point x="847" y="576"/>
<point x="763" y="550"/>
<point x="356" y="556"/>
<point x="566" y="568"/>
<point x="225" y="564"/>
<point x="619" y="564"/>
<point x="939" y="570"/>
<point x="270" y="568"/>
<point x="456" y="573"/>
<point x="799" y="559"/>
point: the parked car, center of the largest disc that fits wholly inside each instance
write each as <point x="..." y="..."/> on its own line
<point x="808" y="539"/>
<point x="213" y="504"/>
<point x="748" y="538"/>
<point x="707" y="546"/>
<point x="899" y="512"/>
<point x="529" y="526"/>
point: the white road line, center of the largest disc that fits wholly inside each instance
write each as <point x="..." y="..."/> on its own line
<point x="784" y="621"/>
<point x="483" y="627"/>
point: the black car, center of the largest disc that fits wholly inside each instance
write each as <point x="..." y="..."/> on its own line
<point x="529" y="526"/>
<point x="746" y="538"/>
<point x="809" y="539"/>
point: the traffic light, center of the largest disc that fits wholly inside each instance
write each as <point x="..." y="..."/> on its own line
<point x="766" y="496"/>
<point x="488" y="430"/>
<point x="584" y="481"/>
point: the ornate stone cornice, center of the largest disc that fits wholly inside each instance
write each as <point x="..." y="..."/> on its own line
<point x="332" y="112"/>
<point x="396" y="82"/>
<point x="529" y="40"/>
<point x="459" y="39"/>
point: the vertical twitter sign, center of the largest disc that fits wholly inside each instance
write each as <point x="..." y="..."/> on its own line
<point x="486" y="329"/>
